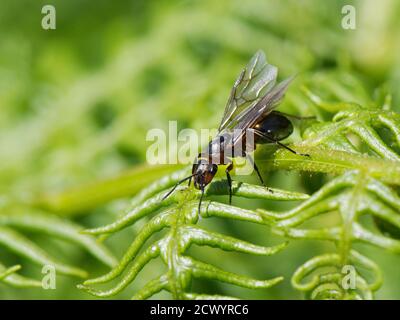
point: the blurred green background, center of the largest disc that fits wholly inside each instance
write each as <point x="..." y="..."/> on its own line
<point x="76" y="104"/>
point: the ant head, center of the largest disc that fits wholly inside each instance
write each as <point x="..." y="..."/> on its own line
<point x="203" y="173"/>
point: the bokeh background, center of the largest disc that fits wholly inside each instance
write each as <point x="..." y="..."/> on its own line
<point x="76" y="104"/>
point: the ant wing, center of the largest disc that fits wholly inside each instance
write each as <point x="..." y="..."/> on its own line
<point x="249" y="117"/>
<point x="252" y="115"/>
<point x="254" y="82"/>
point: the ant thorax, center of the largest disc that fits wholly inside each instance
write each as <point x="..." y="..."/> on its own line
<point x="226" y="146"/>
<point x="218" y="149"/>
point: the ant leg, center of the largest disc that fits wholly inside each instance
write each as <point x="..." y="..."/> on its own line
<point x="228" y="177"/>
<point x="253" y="164"/>
<point x="265" y="136"/>
<point x="176" y="185"/>
<point x="291" y="150"/>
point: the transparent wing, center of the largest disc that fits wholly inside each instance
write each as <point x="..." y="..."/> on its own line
<point x="256" y="79"/>
<point x="249" y="117"/>
<point x="258" y="111"/>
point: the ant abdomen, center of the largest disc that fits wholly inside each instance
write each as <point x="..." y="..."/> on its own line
<point x="276" y="126"/>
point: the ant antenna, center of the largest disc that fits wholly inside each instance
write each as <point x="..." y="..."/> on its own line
<point x="176" y="185"/>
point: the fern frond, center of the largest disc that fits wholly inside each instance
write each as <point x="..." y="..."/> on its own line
<point x="331" y="284"/>
<point x="360" y="146"/>
<point x="351" y="195"/>
<point x="15" y="280"/>
<point x="181" y="220"/>
<point x="44" y="223"/>
<point x="6" y="272"/>
<point x="365" y="166"/>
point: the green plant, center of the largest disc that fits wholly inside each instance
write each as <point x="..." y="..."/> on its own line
<point x="74" y="118"/>
<point x="183" y="232"/>
<point x="359" y="146"/>
<point x="35" y="215"/>
<point x="52" y="226"/>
